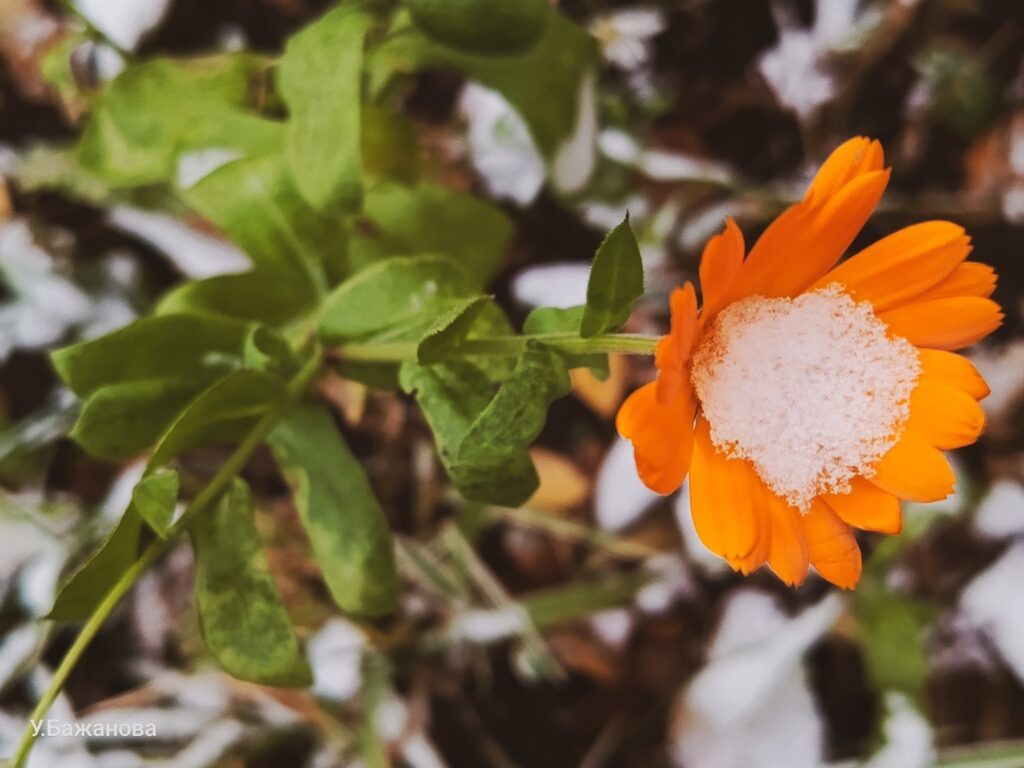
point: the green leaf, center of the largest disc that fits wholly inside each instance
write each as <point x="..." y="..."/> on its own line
<point x="320" y="77"/>
<point x="616" y="281"/>
<point x="390" y="145"/>
<point x="262" y="295"/>
<point x="893" y="630"/>
<point x="347" y="528"/>
<point x="268" y="351"/>
<point x="176" y="346"/>
<point x="255" y="202"/>
<point x="154" y="110"/>
<point x="556" y="320"/>
<point x="405" y="221"/>
<point x="483" y="440"/>
<point x="120" y="420"/>
<point x="90" y="582"/>
<point x="223" y="413"/>
<point x="154" y="498"/>
<point x="244" y="621"/>
<point x="543" y="85"/>
<point x="450" y="329"/>
<point x="392" y="294"/>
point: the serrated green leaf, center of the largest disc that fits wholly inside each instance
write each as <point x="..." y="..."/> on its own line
<point x="173" y="346"/>
<point x="120" y="420"/>
<point x="542" y="85"/>
<point x="255" y="202"/>
<point x="450" y="328"/>
<point x="222" y="413"/>
<point x="244" y="621"/>
<point x="483" y="440"/>
<point x="86" y="587"/>
<point x="154" y="498"/>
<point x="616" y="281"/>
<point x="150" y="113"/>
<point x="405" y="220"/>
<point x="557" y="320"/>
<point x="346" y="526"/>
<point x="262" y="295"/>
<point x="392" y="294"/>
<point x="320" y="80"/>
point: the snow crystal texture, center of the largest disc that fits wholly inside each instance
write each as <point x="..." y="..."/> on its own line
<point x="812" y="390"/>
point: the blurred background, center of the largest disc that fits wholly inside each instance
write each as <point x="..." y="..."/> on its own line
<point x="639" y="648"/>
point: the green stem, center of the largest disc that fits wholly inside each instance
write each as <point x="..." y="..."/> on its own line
<point x="400" y="351"/>
<point x="205" y="499"/>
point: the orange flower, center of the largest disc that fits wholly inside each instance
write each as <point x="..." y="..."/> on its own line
<point x="805" y="399"/>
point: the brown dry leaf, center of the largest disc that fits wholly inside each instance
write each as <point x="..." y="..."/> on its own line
<point x="5" y="202"/>
<point x="580" y="652"/>
<point x="348" y="397"/>
<point x="602" y="397"/>
<point x="562" y="485"/>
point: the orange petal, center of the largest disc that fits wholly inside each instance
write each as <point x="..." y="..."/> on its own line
<point x="972" y="278"/>
<point x="759" y="554"/>
<point x="805" y="242"/>
<point x="850" y="159"/>
<point x="722" y="258"/>
<point x="831" y="546"/>
<point x="903" y="264"/>
<point x="945" y="416"/>
<point x="722" y="499"/>
<point x="867" y="507"/>
<point x="787" y="551"/>
<point x="948" y="324"/>
<point x="954" y="370"/>
<point x="915" y="470"/>
<point x="662" y="436"/>
<point x="674" y="350"/>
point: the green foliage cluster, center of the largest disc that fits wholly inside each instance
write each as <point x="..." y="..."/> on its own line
<point x="358" y="262"/>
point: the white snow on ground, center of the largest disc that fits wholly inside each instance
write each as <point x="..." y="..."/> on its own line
<point x="908" y="736"/>
<point x="620" y="497"/>
<point x="552" y="285"/>
<point x="196" y="255"/>
<point x="1001" y="513"/>
<point x="123" y="22"/>
<point x="991" y="604"/>
<point x="501" y="149"/>
<point x="751" y="706"/>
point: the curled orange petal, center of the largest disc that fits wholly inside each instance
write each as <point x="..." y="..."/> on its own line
<point x="662" y="436"/>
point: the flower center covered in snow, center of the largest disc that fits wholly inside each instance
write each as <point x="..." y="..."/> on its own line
<point x="812" y="390"/>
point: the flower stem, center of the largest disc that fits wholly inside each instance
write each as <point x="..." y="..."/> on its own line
<point x="400" y="351"/>
<point x="203" y="501"/>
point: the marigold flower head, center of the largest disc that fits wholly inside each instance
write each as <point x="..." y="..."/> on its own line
<point x="806" y="397"/>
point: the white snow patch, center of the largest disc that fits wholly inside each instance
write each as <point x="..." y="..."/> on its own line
<point x="811" y="390"/>
<point x="193" y="253"/>
<point x="335" y="655"/>
<point x="576" y="158"/>
<point x="1001" y="512"/>
<point x="991" y="603"/>
<point x="196" y="165"/>
<point x="123" y="22"/>
<point x="754" y="685"/>
<point x="560" y="285"/>
<point x="625" y="36"/>
<point x="501" y="149"/>
<point x="620" y="497"/>
<point x="908" y="736"/>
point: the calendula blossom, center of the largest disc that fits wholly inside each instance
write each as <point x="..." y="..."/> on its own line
<point x="806" y="397"/>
